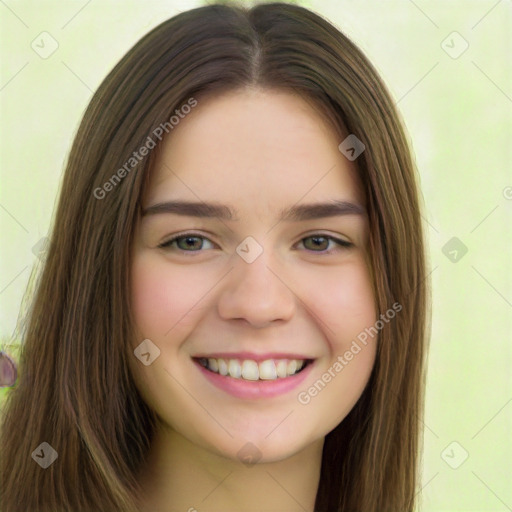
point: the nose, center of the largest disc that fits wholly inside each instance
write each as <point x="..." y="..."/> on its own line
<point x="256" y="293"/>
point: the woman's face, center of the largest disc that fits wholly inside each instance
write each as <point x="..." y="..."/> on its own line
<point x="263" y="281"/>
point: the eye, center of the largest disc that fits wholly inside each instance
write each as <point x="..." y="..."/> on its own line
<point x="191" y="242"/>
<point x="187" y="242"/>
<point x="324" y="243"/>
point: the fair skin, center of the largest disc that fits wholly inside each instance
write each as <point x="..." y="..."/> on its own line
<point x="305" y="296"/>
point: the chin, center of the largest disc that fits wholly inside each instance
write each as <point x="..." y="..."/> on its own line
<point x="258" y="448"/>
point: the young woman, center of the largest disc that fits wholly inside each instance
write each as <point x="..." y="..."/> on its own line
<point x="232" y="310"/>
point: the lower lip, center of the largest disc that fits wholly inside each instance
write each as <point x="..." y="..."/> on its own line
<point x="257" y="388"/>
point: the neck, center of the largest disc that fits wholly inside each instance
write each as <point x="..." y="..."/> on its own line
<point x="181" y="476"/>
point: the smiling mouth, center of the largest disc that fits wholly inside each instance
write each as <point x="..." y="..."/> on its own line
<point x="250" y="370"/>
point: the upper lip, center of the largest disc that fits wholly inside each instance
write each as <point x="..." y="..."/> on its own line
<point x="252" y="356"/>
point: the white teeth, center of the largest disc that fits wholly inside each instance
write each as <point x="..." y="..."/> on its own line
<point x="250" y="370"/>
<point x="267" y="370"/>
<point x="270" y="369"/>
<point x="281" y="367"/>
<point x="223" y="367"/>
<point x="292" y="367"/>
<point x="234" y="368"/>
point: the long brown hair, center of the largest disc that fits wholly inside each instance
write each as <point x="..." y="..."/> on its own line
<point x="75" y="390"/>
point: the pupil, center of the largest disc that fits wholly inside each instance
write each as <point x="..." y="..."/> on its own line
<point x="318" y="241"/>
<point x="192" y="242"/>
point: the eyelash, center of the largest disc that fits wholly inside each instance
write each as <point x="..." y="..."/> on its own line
<point x="342" y="244"/>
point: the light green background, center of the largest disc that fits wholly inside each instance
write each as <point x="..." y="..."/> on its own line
<point x="458" y="113"/>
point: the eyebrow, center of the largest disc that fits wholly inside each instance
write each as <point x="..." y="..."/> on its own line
<point x="295" y="213"/>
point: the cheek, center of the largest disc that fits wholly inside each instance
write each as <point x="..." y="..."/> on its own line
<point x="162" y="300"/>
<point x="343" y="300"/>
<point x="165" y="303"/>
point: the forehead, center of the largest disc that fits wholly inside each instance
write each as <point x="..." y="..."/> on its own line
<point x="256" y="147"/>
